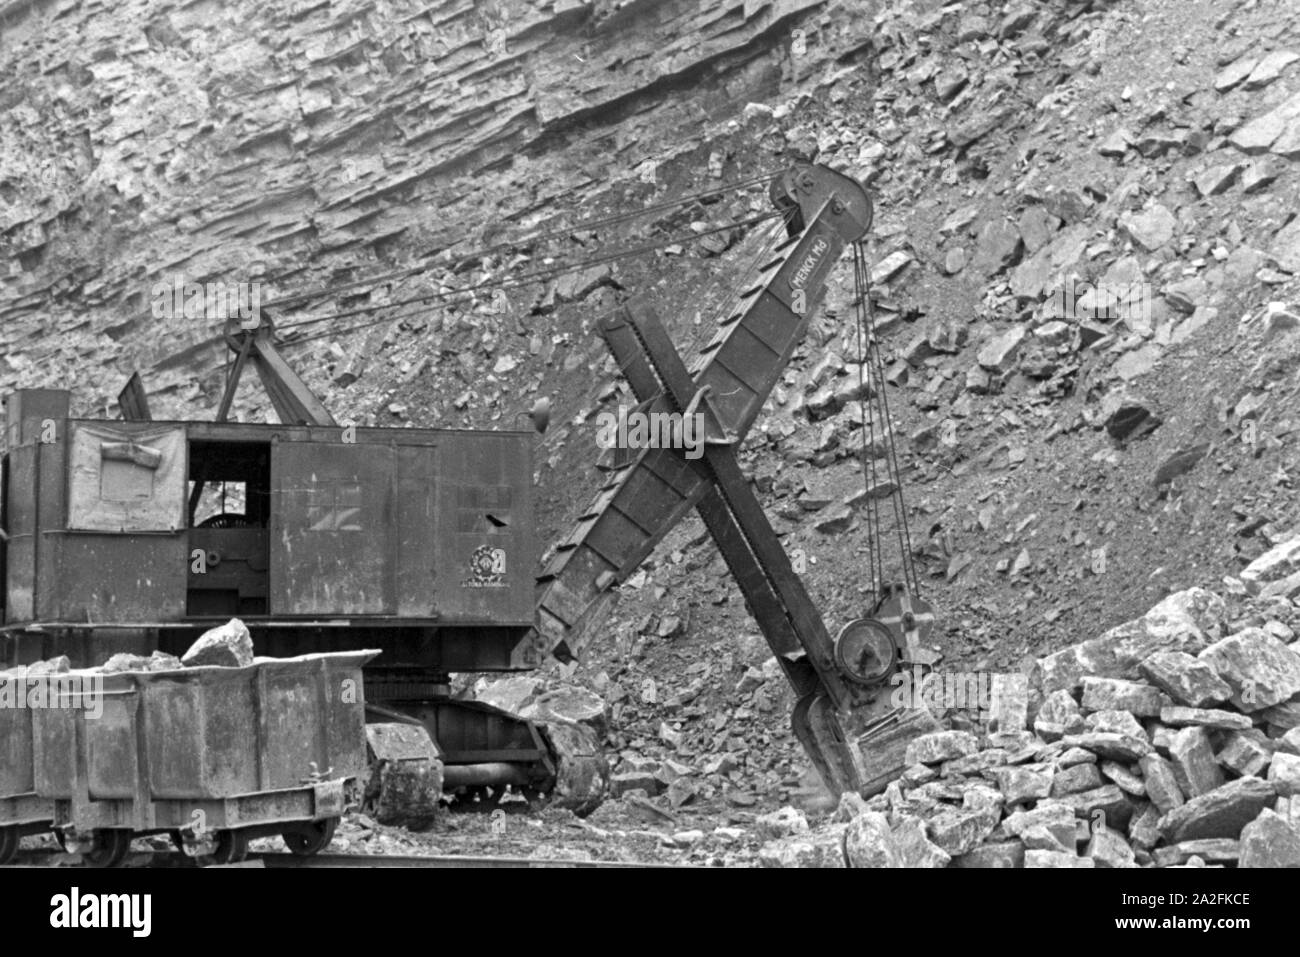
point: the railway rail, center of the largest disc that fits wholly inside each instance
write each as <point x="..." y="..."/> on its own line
<point x="46" y="858"/>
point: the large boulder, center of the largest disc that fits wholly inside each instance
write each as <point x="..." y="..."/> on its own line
<point x="229" y="645"/>
<point x="868" y="843"/>
<point x="570" y="703"/>
<point x="1161" y="783"/>
<point x="1222" y="812"/>
<point x="939" y="746"/>
<point x="1269" y="841"/>
<point x="1274" y="565"/>
<point x="1284" y="774"/>
<point x="1178" y="623"/>
<point x="1261" y="670"/>
<point x="582" y="772"/>
<point x="513" y="693"/>
<point x="1186" y="679"/>
<point x="825" y="848"/>
<point x="1194" y="766"/>
<point x="912" y="848"/>
<point x="1117" y="694"/>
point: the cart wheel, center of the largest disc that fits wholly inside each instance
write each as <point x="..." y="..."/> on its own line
<point x="232" y="847"/>
<point x="111" y="847"/>
<point x="308" y="839"/>
<point x="8" y="844"/>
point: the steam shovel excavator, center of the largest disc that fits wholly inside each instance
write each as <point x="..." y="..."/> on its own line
<point x="421" y="542"/>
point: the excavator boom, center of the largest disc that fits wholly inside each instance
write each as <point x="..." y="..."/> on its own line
<point x="739" y="367"/>
<point x="839" y="695"/>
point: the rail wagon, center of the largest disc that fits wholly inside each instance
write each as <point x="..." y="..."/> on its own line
<point x="214" y="756"/>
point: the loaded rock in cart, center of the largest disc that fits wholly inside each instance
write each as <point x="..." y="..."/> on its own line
<point x="227" y="646"/>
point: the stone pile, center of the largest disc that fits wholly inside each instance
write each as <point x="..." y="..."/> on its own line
<point x="1170" y="740"/>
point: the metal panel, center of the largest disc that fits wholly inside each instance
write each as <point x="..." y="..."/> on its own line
<point x="133" y="400"/>
<point x="20" y="508"/>
<point x="16" y="769"/>
<point x="112" y="754"/>
<point x="487" y="547"/>
<point x="113" y="578"/>
<point x="417" y="531"/>
<point x="258" y="728"/>
<point x="51" y="472"/>
<point x="332" y="537"/>
<point x="20" y="518"/>
<point x="30" y="413"/>
<point x="238" y="574"/>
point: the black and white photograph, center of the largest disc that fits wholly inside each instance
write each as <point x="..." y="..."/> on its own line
<point x="645" y="436"/>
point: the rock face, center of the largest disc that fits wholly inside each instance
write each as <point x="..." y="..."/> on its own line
<point x="320" y="137"/>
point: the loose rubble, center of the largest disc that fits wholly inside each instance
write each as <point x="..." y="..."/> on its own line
<point x="1123" y="767"/>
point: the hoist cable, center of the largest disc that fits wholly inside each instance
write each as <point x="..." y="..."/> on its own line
<point x="504" y="283"/>
<point x="525" y="240"/>
<point x="865" y="318"/>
